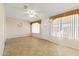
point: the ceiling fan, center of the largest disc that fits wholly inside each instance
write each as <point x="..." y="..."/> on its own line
<point x="30" y="12"/>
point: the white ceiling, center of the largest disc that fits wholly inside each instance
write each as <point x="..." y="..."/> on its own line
<point x="44" y="10"/>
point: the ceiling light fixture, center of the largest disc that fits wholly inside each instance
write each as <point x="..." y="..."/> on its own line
<point x="30" y="12"/>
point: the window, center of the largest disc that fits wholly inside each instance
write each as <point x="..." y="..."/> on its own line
<point x="66" y="27"/>
<point x="57" y="28"/>
<point x="36" y="26"/>
<point x="70" y="27"/>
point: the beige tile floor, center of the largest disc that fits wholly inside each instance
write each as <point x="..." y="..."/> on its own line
<point x="31" y="46"/>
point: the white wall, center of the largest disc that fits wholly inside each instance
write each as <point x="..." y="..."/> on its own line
<point x="17" y="28"/>
<point x="2" y="30"/>
<point x="45" y="29"/>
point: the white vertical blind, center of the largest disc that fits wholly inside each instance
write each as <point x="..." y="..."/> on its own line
<point x="66" y="27"/>
<point x="76" y="26"/>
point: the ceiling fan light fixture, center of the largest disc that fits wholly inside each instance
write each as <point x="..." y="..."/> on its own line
<point x="30" y="12"/>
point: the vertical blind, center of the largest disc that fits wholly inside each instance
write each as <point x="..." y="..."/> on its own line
<point x="66" y="27"/>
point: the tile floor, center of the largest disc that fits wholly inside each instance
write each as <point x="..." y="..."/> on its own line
<point x="31" y="46"/>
